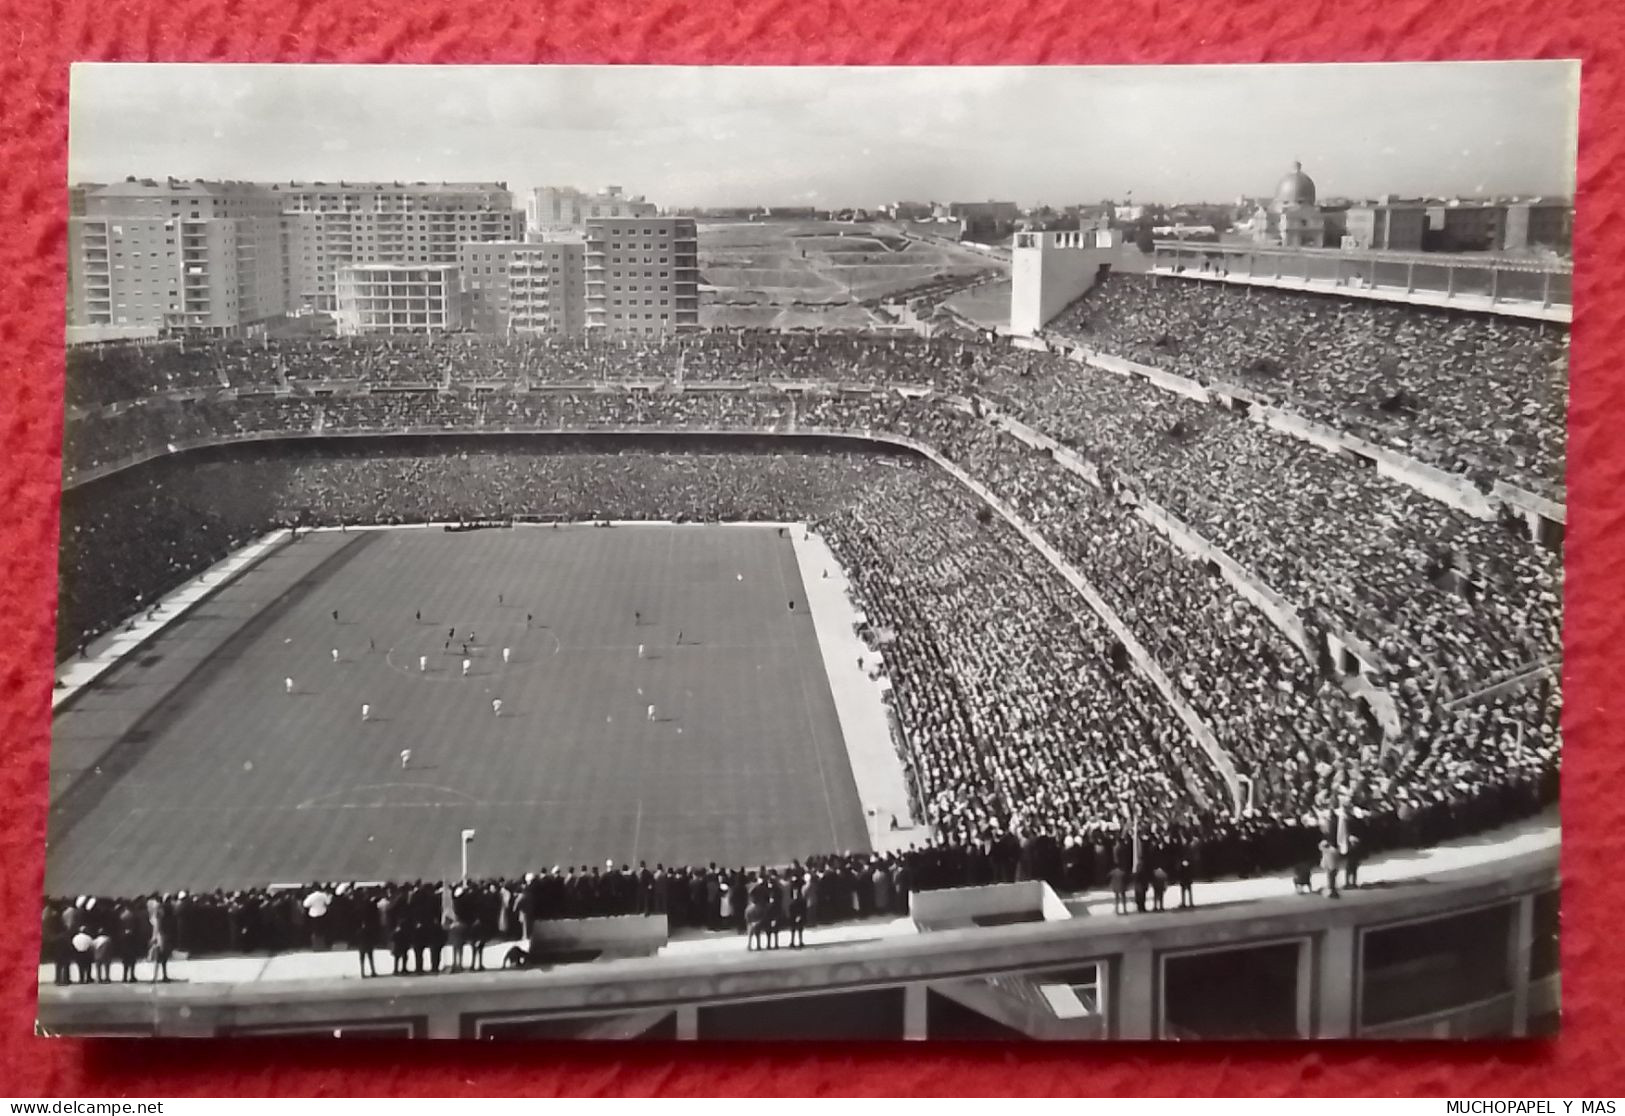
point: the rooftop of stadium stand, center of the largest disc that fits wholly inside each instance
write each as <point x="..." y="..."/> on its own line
<point x="1553" y="263"/>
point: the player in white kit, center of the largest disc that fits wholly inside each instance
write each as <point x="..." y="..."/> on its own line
<point x="651" y="712"/>
<point x="423" y="663"/>
<point x="287" y="685"/>
<point x="640" y="650"/>
<point x="496" y="706"/>
<point x="366" y="712"/>
<point x="335" y="654"/>
<point x="506" y="651"/>
<point x="406" y="757"/>
<point x="466" y="664"/>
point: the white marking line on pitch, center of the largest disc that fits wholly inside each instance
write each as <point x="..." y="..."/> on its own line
<point x="109" y="650"/>
<point x="317" y="802"/>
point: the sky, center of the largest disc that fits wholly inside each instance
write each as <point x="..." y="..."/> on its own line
<point x="841" y="137"/>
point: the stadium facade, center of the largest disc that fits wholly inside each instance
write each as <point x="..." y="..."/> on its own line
<point x="1473" y="953"/>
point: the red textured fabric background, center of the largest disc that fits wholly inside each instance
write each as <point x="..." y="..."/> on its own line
<point x="38" y="39"/>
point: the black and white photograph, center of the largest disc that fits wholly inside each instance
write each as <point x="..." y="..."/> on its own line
<point x="706" y="554"/>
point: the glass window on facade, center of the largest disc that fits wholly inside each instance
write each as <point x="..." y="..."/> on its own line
<point x="1544" y="959"/>
<point x="1250" y="992"/>
<point x="1421" y="968"/>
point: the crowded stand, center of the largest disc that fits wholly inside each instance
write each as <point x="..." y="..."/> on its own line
<point x="102" y="374"/>
<point x="1303" y="740"/>
<point x="1033" y="745"/>
<point x="1450" y="603"/>
<point x="1471" y="393"/>
<point x="1290" y="728"/>
<point x="426" y="927"/>
<point x="1019" y="712"/>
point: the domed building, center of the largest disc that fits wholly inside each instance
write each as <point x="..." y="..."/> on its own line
<point x="1292" y="219"/>
<point x="1296" y="188"/>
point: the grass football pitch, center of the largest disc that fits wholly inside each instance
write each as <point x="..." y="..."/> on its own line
<point x="222" y="779"/>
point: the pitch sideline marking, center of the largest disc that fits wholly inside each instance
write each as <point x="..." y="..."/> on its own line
<point x="314" y="803"/>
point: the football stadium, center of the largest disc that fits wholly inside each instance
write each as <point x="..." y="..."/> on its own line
<point x="1186" y="669"/>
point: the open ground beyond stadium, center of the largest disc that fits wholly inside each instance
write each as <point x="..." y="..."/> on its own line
<point x="210" y="774"/>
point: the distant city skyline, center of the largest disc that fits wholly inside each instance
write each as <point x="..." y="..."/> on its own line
<point x="837" y="138"/>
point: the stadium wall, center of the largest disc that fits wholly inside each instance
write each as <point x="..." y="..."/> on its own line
<point x="1379" y="963"/>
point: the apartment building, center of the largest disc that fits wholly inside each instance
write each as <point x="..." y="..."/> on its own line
<point x="328" y="225"/>
<point x="175" y="256"/>
<point x="519" y="287"/>
<point x="642" y="275"/>
<point x="555" y="209"/>
<point x="399" y="298"/>
<point x="1389" y="225"/>
<point x="1465" y="227"/>
<point x="1539" y="224"/>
